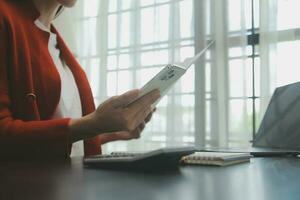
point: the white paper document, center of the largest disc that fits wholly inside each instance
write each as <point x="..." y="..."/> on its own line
<point x="165" y="79"/>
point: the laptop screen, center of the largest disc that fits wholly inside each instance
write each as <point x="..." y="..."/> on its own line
<point x="280" y="127"/>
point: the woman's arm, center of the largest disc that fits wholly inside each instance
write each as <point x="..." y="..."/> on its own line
<point x="22" y="139"/>
<point x="114" y="116"/>
<point x="54" y="137"/>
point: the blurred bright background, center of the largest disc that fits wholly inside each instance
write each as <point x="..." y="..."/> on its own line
<point x="121" y="44"/>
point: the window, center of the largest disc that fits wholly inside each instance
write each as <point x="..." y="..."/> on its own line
<point x="243" y="71"/>
<point x="245" y="106"/>
<point x="288" y="47"/>
<point x="122" y="43"/>
<point x="141" y="37"/>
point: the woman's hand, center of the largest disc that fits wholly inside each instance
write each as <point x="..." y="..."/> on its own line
<point x="126" y="135"/>
<point x="115" y="115"/>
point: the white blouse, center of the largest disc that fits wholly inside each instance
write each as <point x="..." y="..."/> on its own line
<point x="69" y="105"/>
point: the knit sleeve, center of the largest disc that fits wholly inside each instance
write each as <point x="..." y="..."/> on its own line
<point x="20" y="138"/>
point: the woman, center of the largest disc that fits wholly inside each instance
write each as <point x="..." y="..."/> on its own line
<point x="46" y="103"/>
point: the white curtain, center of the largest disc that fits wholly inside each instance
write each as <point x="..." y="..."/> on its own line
<point x="229" y="107"/>
<point x="121" y="44"/>
<point x="268" y="51"/>
<point x="279" y="46"/>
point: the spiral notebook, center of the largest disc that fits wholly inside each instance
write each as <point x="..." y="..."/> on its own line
<point x="215" y="158"/>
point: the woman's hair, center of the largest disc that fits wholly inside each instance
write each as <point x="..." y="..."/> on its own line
<point x="59" y="11"/>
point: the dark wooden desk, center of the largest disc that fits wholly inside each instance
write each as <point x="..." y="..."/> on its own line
<point x="262" y="179"/>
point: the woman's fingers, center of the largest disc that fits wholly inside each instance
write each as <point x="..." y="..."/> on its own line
<point x="137" y="133"/>
<point x="126" y="135"/>
<point x="142" y="126"/>
<point x="149" y="117"/>
<point x="113" y="116"/>
<point x="141" y="116"/>
<point x="126" y="98"/>
<point x="137" y="112"/>
<point x="130" y="96"/>
<point x="145" y="101"/>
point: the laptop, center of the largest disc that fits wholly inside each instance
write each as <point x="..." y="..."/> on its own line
<point x="279" y="132"/>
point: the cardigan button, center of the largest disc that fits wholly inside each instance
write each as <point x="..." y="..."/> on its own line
<point x="31" y="97"/>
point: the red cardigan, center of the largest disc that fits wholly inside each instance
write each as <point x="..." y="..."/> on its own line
<point x="30" y="88"/>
